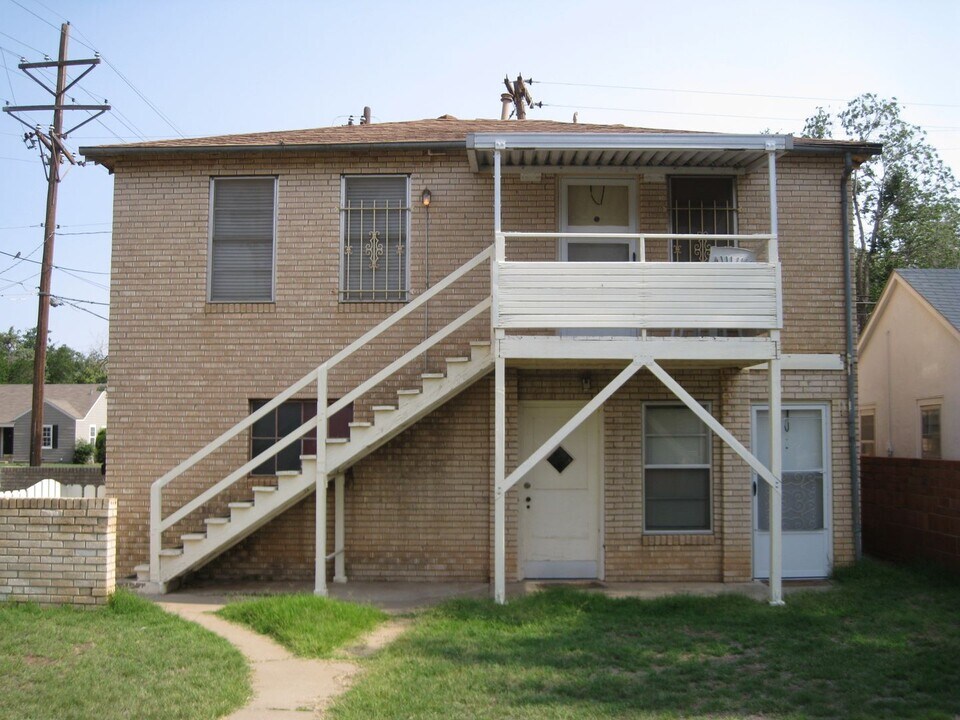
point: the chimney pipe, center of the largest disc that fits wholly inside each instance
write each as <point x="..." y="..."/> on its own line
<point x="366" y="115"/>
<point x="507" y="100"/>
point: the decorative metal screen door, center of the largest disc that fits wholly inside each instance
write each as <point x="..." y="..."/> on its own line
<point x="598" y="206"/>
<point x="560" y="497"/>
<point x="807" y="521"/>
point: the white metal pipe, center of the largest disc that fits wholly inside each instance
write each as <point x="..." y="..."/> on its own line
<point x="339" y="564"/>
<point x="320" y="569"/>
<point x="499" y="472"/>
<point x="773" y="252"/>
<point x="496" y="188"/>
<point x="776" y="494"/>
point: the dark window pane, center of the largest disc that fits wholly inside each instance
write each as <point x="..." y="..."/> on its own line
<point x="289" y="457"/>
<point x="269" y="466"/>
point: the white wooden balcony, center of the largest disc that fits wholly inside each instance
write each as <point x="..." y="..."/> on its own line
<point x="682" y="311"/>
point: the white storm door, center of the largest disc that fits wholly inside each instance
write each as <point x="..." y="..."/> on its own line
<point x="598" y="206"/>
<point x="560" y="497"/>
<point x="807" y="514"/>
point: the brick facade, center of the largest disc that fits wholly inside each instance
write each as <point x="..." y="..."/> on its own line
<point x="58" y="551"/>
<point x="184" y="370"/>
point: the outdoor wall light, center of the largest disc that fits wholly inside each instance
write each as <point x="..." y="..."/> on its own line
<point x="425" y="198"/>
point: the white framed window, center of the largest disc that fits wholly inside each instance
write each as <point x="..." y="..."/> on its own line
<point x="374" y="231"/>
<point x="93" y="434"/>
<point x="48" y="441"/>
<point x="868" y="432"/>
<point x="242" y="239"/>
<point x="930" y="430"/>
<point x="676" y="470"/>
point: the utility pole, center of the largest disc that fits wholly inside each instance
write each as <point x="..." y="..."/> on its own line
<point x="52" y="141"/>
<point x="520" y="96"/>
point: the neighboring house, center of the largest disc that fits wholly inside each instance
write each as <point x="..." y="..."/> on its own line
<point x="70" y="413"/>
<point x="910" y="368"/>
<point x="575" y="323"/>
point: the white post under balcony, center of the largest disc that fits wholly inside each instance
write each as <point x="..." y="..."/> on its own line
<point x="339" y="561"/>
<point x="500" y="402"/>
<point x="776" y="437"/>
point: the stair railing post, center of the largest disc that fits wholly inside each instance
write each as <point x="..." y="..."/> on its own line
<point x="156" y="534"/>
<point x="339" y="563"/>
<point x="320" y="571"/>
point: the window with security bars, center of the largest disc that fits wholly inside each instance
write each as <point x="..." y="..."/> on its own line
<point x="242" y="222"/>
<point x="701" y="206"/>
<point x="375" y="218"/>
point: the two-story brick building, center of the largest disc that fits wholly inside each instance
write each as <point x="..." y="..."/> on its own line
<point x="544" y="350"/>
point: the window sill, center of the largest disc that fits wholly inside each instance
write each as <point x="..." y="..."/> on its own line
<point x="706" y="537"/>
<point x="230" y="308"/>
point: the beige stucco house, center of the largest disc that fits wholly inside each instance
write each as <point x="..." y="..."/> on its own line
<point x="542" y="350"/>
<point x="71" y="412"/>
<point x="910" y="367"/>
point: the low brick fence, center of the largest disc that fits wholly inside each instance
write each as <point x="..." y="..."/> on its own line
<point x="19" y="477"/>
<point x="56" y="551"/>
<point x="911" y="509"/>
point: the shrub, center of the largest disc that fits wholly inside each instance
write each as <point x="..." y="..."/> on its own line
<point x="101" y="446"/>
<point x="82" y="452"/>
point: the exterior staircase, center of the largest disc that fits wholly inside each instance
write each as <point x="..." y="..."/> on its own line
<point x="268" y="501"/>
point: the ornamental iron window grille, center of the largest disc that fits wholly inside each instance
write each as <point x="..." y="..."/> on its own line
<point x="701" y="206"/>
<point x="375" y="217"/>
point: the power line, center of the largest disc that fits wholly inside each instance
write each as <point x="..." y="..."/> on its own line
<point x="89" y="302"/>
<point x="93" y="232"/>
<point x="13" y="159"/>
<point x="673" y="112"/>
<point x="41" y="52"/>
<point x="13" y="93"/>
<point x="20" y="259"/>
<point x="725" y="94"/>
<point x="89" y="312"/>
<point x="58" y="267"/>
<point x="26" y="9"/>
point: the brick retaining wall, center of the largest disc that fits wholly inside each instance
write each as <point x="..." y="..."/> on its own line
<point x="18" y="477"/>
<point x="911" y="509"/>
<point x="56" y="551"/>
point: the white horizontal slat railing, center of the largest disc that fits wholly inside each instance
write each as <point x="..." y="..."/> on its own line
<point x="638" y="295"/>
<point x="159" y="523"/>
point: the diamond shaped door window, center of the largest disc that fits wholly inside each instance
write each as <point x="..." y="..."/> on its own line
<point x="559" y="459"/>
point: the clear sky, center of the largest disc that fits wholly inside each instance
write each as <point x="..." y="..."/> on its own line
<point x="231" y="66"/>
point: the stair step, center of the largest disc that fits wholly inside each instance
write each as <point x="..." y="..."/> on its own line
<point x="337" y="441"/>
<point x="287" y="473"/>
<point x="264" y="489"/>
<point x="480" y="343"/>
<point x="308" y="457"/>
<point x="142" y="570"/>
<point x="360" y="424"/>
<point x="169" y="552"/>
<point x="432" y="376"/>
<point x="245" y="505"/>
<point x="193" y="537"/>
<point x="457" y="360"/>
<point x="384" y="408"/>
<point x="409" y="391"/>
<point x="217" y="521"/>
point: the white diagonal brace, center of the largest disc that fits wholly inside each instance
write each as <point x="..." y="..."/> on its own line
<point x="712" y="423"/>
<point x="573" y="423"/>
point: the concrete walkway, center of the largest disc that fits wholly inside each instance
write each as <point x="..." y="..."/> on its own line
<point x="284" y="687"/>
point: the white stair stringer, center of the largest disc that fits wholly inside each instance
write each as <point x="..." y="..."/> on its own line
<point x="411" y="407"/>
<point x="268" y="502"/>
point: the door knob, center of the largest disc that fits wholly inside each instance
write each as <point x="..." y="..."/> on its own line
<point x="526" y="485"/>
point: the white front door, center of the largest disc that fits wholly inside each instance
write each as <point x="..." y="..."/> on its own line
<point x="807" y="547"/>
<point x="560" y="496"/>
<point x="598" y="206"/>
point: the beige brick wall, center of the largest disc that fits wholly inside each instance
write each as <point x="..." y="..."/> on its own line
<point x="58" y="551"/>
<point x="183" y="370"/>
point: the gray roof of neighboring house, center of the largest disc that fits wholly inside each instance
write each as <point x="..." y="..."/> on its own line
<point x="74" y="400"/>
<point x="940" y="288"/>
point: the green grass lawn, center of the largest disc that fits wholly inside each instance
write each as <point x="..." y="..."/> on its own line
<point x="126" y="660"/>
<point x="885" y="643"/>
<point x="307" y="625"/>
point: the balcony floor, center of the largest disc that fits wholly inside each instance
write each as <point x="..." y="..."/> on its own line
<point x="546" y="351"/>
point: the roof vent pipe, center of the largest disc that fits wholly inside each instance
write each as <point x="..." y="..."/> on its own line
<point x="507" y="100"/>
<point x="366" y="115"/>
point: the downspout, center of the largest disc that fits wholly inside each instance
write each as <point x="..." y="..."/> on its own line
<point x="851" y="378"/>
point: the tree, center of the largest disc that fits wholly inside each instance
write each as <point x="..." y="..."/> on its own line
<point x="905" y="203"/>
<point x="64" y="364"/>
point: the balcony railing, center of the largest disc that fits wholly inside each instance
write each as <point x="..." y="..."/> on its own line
<point x="639" y="295"/>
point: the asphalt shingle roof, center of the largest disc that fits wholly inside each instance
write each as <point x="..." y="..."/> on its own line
<point x="75" y="400"/>
<point x="940" y="288"/>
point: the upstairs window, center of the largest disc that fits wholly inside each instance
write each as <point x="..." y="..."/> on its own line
<point x="930" y="432"/>
<point x="242" y="239"/>
<point x="868" y="433"/>
<point x="701" y="206"/>
<point x="375" y="220"/>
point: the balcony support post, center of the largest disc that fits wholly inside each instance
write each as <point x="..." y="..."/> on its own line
<point x="499" y="474"/>
<point x="320" y="566"/>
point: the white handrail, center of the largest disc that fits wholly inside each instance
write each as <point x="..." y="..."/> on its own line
<point x="158" y="523"/>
